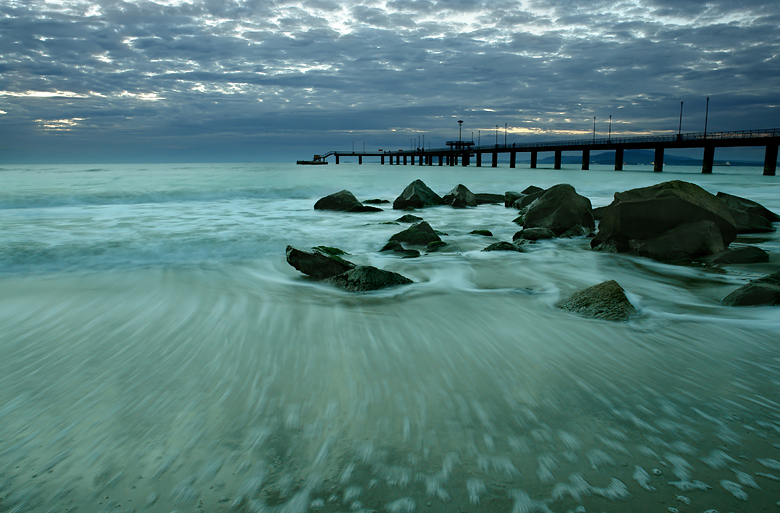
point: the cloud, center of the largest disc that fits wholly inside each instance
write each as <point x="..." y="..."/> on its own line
<point x="313" y="70"/>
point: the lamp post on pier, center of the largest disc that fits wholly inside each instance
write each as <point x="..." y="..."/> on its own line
<point x="679" y="129"/>
<point x="609" y="134"/>
<point x="460" y="130"/>
<point x="496" y="136"/>
<point x="706" y="115"/>
<point x="594" y="129"/>
<point x="505" y="129"/>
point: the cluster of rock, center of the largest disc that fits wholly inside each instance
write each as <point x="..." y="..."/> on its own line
<point x="672" y="221"/>
<point x="326" y="264"/>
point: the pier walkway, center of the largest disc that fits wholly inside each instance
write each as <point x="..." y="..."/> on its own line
<point x="462" y="152"/>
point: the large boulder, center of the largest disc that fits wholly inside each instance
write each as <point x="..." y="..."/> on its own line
<point x="319" y="263"/>
<point x="648" y="212"/>
<point x="749" y="216"/>
<point x="761" y="292"/>
<point x="420" y="234"/>
<point x="561" y="210"/>
<point x="343" y="201"/>
<point x="606" y="301"/>
<point x="417" y="195"/>
<point x="689" y="240"/>
<point x="365" y="277"/>
<point x="460" y="197"/>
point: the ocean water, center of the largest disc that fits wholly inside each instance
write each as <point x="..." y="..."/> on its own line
<point x="157" y="353"/>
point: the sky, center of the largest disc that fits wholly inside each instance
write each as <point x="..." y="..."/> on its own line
<point x="277" y="80"/>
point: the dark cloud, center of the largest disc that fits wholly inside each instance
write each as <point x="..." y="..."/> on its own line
<point x="254" y="78"/>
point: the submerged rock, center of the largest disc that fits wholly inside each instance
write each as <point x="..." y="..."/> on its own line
<point x="761" y="292"/>
<point x="343" y="201"/>
<point x="376" y="201"/>
<point x="421" y="234"/>
<point x="417" y="195"/>
<point x="365" y="278"/>
<point x="504" y="246"/>
<point x="688" y="240"/>
<point x="435" y="246"/>
<point x="399" y="249"/>
<point x="460" y="197"/>
<point x="318" y="264"/>
<point x="561" y="210"/>
<point x="409" y="218"/>
<point x="484" y="233"/>
<point x="648" y="212"/>
<point x="534" y="234"/>
<point x="606" y="301"/>
<point x="743" y="255"/>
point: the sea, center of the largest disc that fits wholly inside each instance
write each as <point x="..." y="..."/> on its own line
<point x="157" y="352"/>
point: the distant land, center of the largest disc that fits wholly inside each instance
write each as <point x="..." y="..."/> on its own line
<point x="643" y="157"/>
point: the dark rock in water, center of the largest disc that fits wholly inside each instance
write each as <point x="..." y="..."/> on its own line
<point x="330" y="251"/>
<point x="510" y="197"/>
<point x="343" y="201"/>
<point x="648" y="212"/>
<point x="535" y="234"/>
<point x="398" y="248"/>
<point x="560" y="209"/>
<point x="761" y="292"/>
<point x="749" y="216"/>
<point x="532" y="189"/>
<point x="737" y="203"/>
<point x="606" y="301"/>
<point x="409" y="218"/>
<point x="598" y="212"/>
<point x="417" y="195"/>
<point x="688" y="240"/>
<point x="526" y="199"/>
<point x="435" y="246"/>
<point x="364" y="278"/>
<point x="420" y="233"/>
<point x="318" y="264"/>
<point x="486" y="198"/>
<point x="519" y="219"/>
<point x="460" y="197"/>
<point x="376" y="202"/>
<point x="743" y="255"/>
<point x="484" y="233"/>
<point x="504" y="246"/>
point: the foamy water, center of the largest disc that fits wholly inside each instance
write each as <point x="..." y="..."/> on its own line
<point x="158" y="354"/>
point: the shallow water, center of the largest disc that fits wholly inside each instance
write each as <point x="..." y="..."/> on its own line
<point x="158" y="354"/>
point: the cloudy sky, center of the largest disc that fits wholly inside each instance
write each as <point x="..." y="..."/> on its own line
<point x="275" y="80"/>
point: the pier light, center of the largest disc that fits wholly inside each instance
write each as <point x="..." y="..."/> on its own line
<point x="679" y="129"/>
<point x="460" y="130"/>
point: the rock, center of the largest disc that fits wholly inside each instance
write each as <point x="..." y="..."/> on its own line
<point x="504" y="246"/>
<point x="408" y="218"/>
<point x="343" y="201"/>
<point x="606" y="301"/>
<point x="417" y="195"/>
<point x="761" y="292"/>
<point x="560" y="209"/>
<point x="435" y="246"/>
<point x="534" y="234"/>
<point x="743" y="255"/>
<point x="510" y="197"/>
<point x="737" y="203"/>
<point x="398" y="248"/>
<point x="598" y="212"/>
<point x="749" y="216"/>
<point x="532" y="189"/>
<point x="527" y="199"/>
<point x="648" y="212"/>
<point x="689" y="240"/>
<point x="420" y="233"/>
<point x="460" y="197"/>
<point x="319" y="264"/>
<point x="486" y="198"/>
<point x="364" y="278"/>
<point x="376" y="202"/>
<point x="484" y="233"/>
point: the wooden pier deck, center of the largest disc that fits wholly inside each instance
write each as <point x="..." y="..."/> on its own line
<point x="462" y="152"/>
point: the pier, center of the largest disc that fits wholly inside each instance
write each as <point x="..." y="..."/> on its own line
<point x="462" y="152"/>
